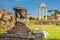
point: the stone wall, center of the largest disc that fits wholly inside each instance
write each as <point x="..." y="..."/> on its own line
<point x="7" y="19"/>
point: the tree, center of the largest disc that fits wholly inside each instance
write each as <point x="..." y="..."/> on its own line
<point x="50" y="11"/>
<point x="56" y="12"/>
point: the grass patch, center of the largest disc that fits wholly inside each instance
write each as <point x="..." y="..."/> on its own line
<point x="2" y="30"/>
<point x="53" y="30"/>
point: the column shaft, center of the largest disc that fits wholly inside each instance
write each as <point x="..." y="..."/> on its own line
<point x="43" y="13"/>
<point x="46" y="15"/>
<point x="39" y="15"/>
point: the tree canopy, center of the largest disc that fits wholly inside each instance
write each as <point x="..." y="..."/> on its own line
<point x="54" y="12"/>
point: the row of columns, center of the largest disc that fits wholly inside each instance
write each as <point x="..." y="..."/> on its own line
<point x="42" y="12"/>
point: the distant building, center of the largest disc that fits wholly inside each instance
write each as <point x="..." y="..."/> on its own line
<point x="57" y="16"/>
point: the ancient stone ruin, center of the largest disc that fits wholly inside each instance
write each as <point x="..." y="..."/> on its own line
<point x="20" y="31"/>
<point x="20" y="13"/>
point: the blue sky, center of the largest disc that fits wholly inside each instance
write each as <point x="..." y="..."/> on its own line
<point x="30" y="5"/>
